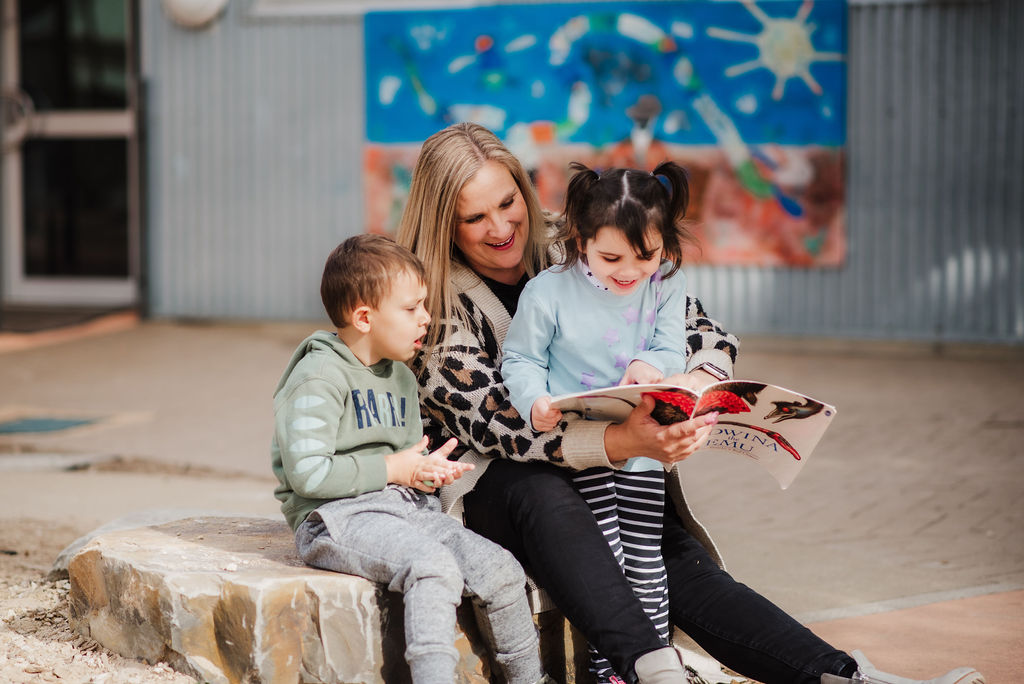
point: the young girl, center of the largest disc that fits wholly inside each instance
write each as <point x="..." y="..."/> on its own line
<point x="613" y="312"/>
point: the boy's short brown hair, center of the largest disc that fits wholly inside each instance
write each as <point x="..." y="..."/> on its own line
<point x="360" y="271"/>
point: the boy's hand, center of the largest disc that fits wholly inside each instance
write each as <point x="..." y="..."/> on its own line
<point x="544" y="416"/>
<point x="436" y="470"/>
<point x="410" y="467"/>
<point x="640" y="373"/>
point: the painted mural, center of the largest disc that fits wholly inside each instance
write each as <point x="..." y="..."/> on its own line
<point x="748" y="95"/>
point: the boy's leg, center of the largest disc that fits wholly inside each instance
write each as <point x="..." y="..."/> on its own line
<point x="383" y="547"/>
<point x="641" y="505"/>
<point x="498" y="585"/>
<point x="596" y="486"/>
<point x="533" y="510"/>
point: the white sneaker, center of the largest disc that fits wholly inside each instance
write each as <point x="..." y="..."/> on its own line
<point x="663" y="666"/>
<point x="869" y="674"/>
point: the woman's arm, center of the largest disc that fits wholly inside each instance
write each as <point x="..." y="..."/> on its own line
<point x="462" y="395"/>
<point x="707" y="341"/>
<point x="641" y="435"/>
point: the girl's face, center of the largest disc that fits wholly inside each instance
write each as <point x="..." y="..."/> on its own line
<point x="613" y="262"/>
<point x="492" y="224"/>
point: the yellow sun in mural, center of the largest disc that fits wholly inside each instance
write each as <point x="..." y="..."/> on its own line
<point x="784" y="47"/>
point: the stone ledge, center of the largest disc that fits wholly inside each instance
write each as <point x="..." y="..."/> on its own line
<point x="226" y="599"/>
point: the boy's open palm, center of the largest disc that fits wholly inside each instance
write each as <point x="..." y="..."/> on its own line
<point x="410" y="467"/>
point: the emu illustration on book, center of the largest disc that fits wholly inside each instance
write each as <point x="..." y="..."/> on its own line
<point x="736" y="397"/>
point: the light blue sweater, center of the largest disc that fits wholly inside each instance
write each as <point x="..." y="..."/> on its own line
<point x="570" y="335"/>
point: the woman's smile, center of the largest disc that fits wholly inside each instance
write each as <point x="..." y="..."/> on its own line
<point x="504" y="244"/>
<point x="492" y="224"/>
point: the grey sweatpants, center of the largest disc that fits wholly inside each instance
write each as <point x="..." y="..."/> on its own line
<point x="399" y="536"/>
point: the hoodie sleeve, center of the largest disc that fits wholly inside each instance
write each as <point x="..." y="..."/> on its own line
<point x="306" y="426"/>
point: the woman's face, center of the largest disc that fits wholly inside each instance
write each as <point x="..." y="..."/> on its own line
<point x="492" y="224"/>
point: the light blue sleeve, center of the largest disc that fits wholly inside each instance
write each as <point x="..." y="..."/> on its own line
<point x="524" y="364"/>
<point x="667" y="349"/>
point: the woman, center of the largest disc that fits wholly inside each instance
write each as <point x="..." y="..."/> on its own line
<point x="474" y="219"/>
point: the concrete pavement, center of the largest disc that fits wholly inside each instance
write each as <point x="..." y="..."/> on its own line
<point x="903" y="536"/>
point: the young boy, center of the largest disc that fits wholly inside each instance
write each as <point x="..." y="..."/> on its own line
<point x="355" y="484"/>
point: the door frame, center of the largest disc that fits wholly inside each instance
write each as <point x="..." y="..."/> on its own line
<point x="16" y="287"/>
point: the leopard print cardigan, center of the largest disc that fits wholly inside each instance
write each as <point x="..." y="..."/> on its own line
<point x="462" y="396"/>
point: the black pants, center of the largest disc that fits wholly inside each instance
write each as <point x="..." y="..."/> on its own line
<point x="533" y="510"/>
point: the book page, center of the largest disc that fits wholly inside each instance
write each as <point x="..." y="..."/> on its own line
<point x="615" y="403"/>
<point x="776" y="427"/>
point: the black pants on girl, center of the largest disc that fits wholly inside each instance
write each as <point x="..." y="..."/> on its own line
<point x="533" y="510"/>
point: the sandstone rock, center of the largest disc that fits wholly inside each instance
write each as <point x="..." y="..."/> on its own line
<point x="145" y="518"/>
<point x="228" y="600"/>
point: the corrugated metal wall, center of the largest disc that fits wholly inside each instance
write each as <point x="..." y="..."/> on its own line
<point x="255" y="134"/>
<point x="256" y="125"/>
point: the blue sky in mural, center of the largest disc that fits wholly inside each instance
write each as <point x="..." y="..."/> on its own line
<point x="763" y="72"/>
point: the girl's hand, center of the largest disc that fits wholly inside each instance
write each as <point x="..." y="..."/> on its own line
<point x="640" y="373"/>
<point x="694" y="381"/>
<point x="641" y="435"/>
<point x="543" y="416"/>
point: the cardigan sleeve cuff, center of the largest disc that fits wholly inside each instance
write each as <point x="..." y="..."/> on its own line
<point x="716" y="357"/>
<point x="583" y="445"/>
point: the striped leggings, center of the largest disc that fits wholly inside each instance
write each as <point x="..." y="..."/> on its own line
<point x="630" y="508"/>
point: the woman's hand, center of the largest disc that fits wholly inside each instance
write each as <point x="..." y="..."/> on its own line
<point x="640" y="373"/>
<point x="641" y="435"/>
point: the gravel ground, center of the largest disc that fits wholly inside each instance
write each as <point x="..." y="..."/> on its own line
<point x="36" y="641"/>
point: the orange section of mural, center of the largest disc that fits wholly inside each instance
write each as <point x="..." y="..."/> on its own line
<point x="734" y="225"/>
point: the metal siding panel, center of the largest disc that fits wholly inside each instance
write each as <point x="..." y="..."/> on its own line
<point x="255" y="167"/>
<point x="255" y="164"/>
<point x="1012" y="171"/>
<point x="943" y="300"/>
<point x="920" y="120"/>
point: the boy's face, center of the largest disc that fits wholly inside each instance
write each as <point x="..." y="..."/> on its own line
<point x="398" y="326"/>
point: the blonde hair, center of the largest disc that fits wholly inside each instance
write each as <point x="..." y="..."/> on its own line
<point x="449" y="160"/>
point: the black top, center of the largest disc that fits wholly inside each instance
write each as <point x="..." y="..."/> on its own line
<point x="508" y="295"/>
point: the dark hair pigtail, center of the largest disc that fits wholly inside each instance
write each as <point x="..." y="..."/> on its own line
<point x="577" y="197"/>
<point x="679" y="188"/>
<point x="675" y="231"/>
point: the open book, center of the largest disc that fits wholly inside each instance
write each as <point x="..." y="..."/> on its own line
<point x="774" y="426"/>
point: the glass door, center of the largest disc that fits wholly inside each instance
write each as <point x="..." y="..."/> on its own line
<point x="70" y="171"/>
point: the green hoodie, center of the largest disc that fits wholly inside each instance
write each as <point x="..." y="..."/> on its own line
<point x="334" y="421"/>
